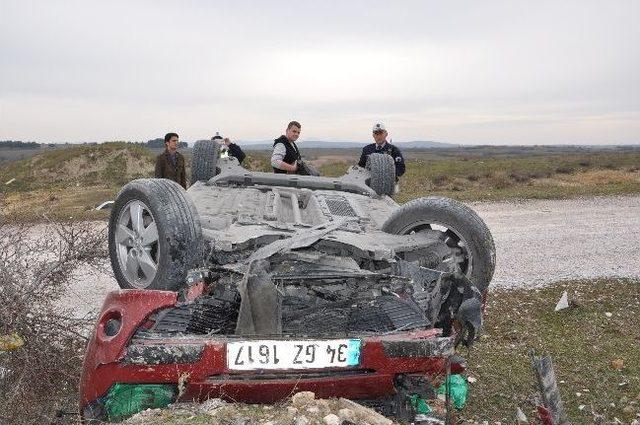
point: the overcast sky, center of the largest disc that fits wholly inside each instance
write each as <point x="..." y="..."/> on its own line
<point x="499" y="72"/>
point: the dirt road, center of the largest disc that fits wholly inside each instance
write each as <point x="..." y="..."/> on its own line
<point x="545" y="241"/>
<point x="537" y="242"/>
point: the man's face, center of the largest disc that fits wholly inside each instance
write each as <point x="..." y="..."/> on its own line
<point x="380" y="136"/>
<point x="293" y="133"/>
<point x="172" y="144"/>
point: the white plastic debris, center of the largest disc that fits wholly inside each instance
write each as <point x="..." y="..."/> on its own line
<point x="581" y="407"/>
<point x="608" y="314"/>
<point x="472" y="380"/>
<point x="105" y="205"/>
<point x="10" y="181"/>
<point x="563" y="302"/>
<point x="521" y="417"/>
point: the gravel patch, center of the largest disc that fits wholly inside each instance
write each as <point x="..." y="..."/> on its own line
<point x="537" y="242"/>
<point x="544" y="241"/>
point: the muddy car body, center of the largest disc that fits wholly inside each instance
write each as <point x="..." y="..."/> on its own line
<point x="251" y="286"/>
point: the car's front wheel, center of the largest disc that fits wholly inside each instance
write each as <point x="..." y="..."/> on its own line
<point x="154" y="235"/>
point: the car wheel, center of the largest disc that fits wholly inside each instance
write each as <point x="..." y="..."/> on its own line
<point x="382" y="171"/>
<point x="204" y="160"/>
<point x="154" y="235"/>
<point x="459" y="227"/>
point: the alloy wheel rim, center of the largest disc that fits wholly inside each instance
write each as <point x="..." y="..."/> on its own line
<point x="137" y="244"/>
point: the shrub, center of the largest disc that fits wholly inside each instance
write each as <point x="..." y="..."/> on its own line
<point x="564" y="170"/>
<point x="41" y="377"/>
<point x="440" y="179"/>
<point x="519" y="177"/>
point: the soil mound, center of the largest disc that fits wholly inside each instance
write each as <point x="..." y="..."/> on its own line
<point x="107" y="164"/>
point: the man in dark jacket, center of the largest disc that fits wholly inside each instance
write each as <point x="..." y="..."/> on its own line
<point x="382" y="146"/>
<point x="170" y="163"/>
<point x="231" y="148"/>
<point x="285" y="155"/>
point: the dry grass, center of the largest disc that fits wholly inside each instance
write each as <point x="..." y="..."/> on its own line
<point x="60" y="203"/>
<point x="70" y="182"/>
<point x="509" y="177"/>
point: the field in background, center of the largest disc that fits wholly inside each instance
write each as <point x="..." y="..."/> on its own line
<point x="71" y="182"/>
<point x="470" y="177"/>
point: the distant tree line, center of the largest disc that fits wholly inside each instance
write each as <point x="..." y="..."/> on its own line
<point x="159" y="143"/>
<point x="16" y="144"/>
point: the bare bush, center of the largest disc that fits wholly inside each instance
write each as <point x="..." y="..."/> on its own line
<point x="39" y="380"/>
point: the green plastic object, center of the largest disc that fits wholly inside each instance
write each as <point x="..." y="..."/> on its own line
<point x="125" y="400"/>
<point x="420" y="405"/>
<point x="458" y="390"/>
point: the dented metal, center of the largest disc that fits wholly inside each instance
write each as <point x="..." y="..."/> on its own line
<point x="297" y="259"/>
<point x="162" y="354"/>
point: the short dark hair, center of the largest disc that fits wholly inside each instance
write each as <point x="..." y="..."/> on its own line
<point x="294" y="124"/>
<point x="168" y="136"/>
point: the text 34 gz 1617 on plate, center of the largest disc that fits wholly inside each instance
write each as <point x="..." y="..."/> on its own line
<point x="301" y="354"/>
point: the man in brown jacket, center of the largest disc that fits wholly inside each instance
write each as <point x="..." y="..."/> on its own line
<point x="170" y="163"/>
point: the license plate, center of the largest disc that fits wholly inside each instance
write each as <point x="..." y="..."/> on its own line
<point x="303" y="354"/>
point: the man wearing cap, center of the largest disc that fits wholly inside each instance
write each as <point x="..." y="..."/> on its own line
<point x="229" y="147"/>
<point x="170" y="163"/>
<point x="285" y="155"/>
<point x="382" y="146"/>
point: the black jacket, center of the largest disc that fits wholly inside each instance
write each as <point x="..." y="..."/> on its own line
<point x="292" y="155"/>
<point x="389" y="149"/>
<point x="236" y="152"/>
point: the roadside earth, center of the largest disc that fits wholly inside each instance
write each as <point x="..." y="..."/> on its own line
<point x="537" y="242"/>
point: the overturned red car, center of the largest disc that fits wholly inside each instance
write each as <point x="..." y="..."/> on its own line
<point x="253" y="286"/>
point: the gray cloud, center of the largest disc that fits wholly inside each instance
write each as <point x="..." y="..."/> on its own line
<point x="471" y="72"/>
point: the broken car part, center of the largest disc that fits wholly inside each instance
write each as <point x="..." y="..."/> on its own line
<point x="250" y="286"/>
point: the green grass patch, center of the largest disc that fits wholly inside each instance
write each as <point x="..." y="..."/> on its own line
<point x="509" y="177"/>
<point x="582" y="341"/>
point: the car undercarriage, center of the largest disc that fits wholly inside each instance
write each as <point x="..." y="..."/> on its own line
<point x="252" y="286"/>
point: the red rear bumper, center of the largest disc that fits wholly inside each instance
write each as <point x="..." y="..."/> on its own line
<point x="203" y="369"/>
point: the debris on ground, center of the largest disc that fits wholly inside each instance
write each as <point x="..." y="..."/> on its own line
<point x="458" y="390"/>
<point x="551" y="411"/>
<point x="563" y="302"/>
<point x="364" y="413"/>
<point x="521" y="418"/>
<point x="617" y="364"/>
<point x="304" y="409"/>
<point x="10" y="342"/>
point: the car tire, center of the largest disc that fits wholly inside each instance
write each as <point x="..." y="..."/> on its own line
<point x="382" y="169"/>
<point x="461" y="228"/>
<point x="154" y="235"/>
<point x="204" y="160"/>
